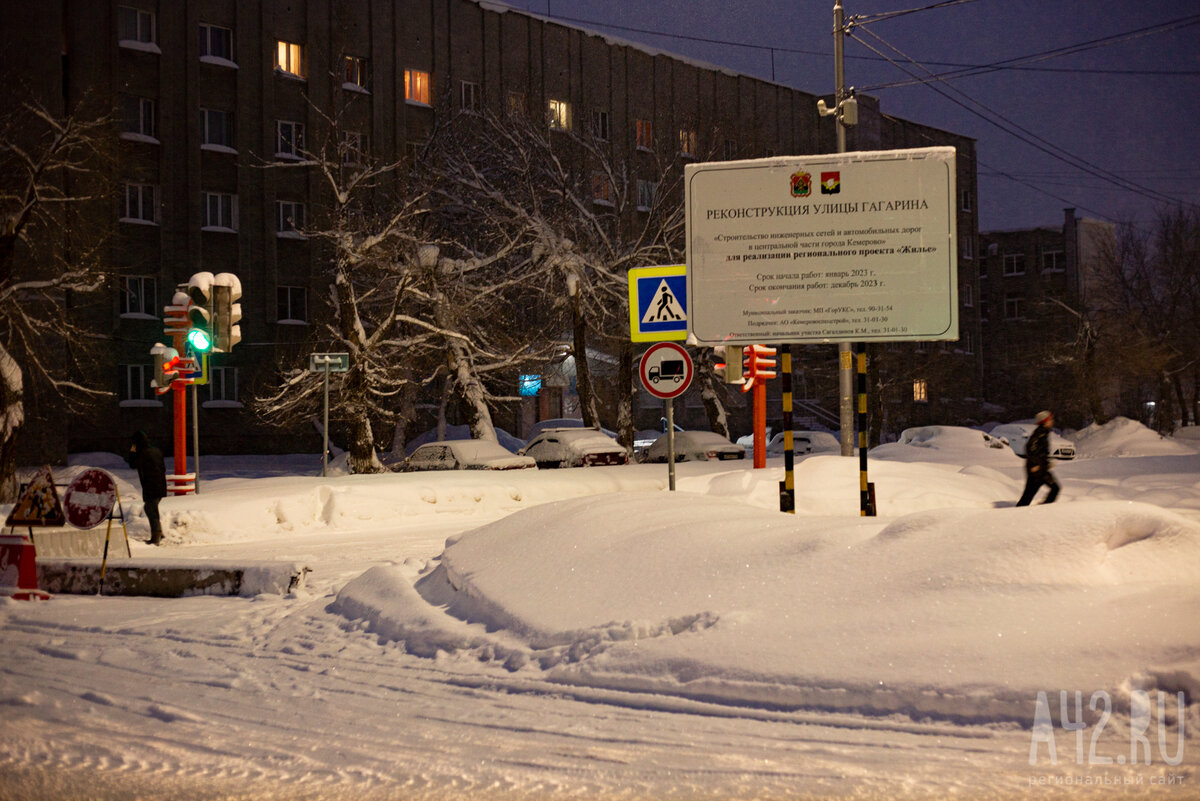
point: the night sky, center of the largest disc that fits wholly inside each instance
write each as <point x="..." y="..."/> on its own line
<point x="1120" y="109"/>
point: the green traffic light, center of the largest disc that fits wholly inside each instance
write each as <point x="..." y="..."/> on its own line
<point x="199" y="339"/>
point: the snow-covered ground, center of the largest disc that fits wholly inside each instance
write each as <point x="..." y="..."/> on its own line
<point x="586" y="634"/>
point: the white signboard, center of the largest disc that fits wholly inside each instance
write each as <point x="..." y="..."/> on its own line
<point x="850" y="247"/>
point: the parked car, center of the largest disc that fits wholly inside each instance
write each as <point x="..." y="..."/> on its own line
<point x="943" y="437"/>
<point x="574" y="447"/>
<point x="465" y="454"/>
<point x="695" y="446"/>
<point x="1017" y="434"/>
<point x="805" y="442"/>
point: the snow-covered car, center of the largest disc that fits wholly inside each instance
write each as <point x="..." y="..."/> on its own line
<point x="947" y="437"/>
<point x="805" y="442"/>
<point x="466" y="454"/>
<point x="574" y="447"/>
<point x="695" y="446"/>
<point x="1017" y="434"/>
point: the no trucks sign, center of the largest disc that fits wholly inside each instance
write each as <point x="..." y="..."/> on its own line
<point x="844" y="247"/>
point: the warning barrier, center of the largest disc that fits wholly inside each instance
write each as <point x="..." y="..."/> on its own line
<point x="18" y="568"/>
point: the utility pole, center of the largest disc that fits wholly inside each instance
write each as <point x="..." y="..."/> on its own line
<point x="845" y="114"/>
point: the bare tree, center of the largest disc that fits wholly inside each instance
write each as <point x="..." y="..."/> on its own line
<point x="50" y="166"/>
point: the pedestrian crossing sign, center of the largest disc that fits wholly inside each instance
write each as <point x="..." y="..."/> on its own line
<point x="658" y="303"/>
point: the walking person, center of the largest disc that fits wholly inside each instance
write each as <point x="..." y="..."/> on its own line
<point x="147" y="459"/>
<point x="1037" y="461"/>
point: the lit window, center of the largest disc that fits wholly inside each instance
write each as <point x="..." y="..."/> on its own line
<point x="291" y="304"/>
<point x="289" y="218"/>
<point x="416" y="87"/>
<point x="220" y="211"/>
<point x="646" y="190"/>
<point x="222" y="384"/>
<point x="1054" y="261"/>
<point x="559" y="112"/>
<point x="216" y="43"/>
<point x="920" y="390"/>
<point x="644" y="133"/>
<point x="139" y="296"/>
<point x="216" y="128"/>
<point x="289" y="139"/>
<point x="602" y="189"/>
<point x="140" y="204"/>
<point x="1014" y="263"/>
<point x="600" y="125"/>
<point x="469" y="96"/>
<point x="138" y="117"/>
<point x="135" y="25"/>
<point x="355" y="72"/>
<point x="289" y="58"/>
<point x="687" y="142"/>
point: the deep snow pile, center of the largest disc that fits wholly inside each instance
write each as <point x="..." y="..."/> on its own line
<point x="1124" y="437"/>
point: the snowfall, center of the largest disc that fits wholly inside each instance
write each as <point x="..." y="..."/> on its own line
<point x="587" y="633"/>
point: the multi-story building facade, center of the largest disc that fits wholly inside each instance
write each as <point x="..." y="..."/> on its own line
<point x="216" y="98"/>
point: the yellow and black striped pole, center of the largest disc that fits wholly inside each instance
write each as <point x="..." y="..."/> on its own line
<point x="866" y="506"/>
<point x="787" y="487"/>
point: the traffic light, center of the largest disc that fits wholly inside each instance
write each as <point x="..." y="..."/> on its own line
<point x="227" y="312"/>
<point x="760" y="364"/>
<point x="166" y="363"/>
<point x="200" y="313"/>
<point x="731" y="368"/>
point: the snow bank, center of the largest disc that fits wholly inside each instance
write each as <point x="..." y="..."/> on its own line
<point x="962" y="614"/>
<point x="1124" y="437"/>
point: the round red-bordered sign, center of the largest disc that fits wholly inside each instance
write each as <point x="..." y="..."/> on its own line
<point x="90" y="498"/>
<point x="666" y="370"/>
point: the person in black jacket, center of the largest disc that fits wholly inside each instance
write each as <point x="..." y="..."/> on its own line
<point x="147" y="459"/>
<point x="1037" y="461"/>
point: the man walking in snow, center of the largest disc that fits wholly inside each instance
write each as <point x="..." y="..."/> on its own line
<point x="1037" y="461"/>
<point x="152" y="472"/>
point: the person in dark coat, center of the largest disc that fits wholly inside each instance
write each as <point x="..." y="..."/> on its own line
<point x="1037" y="461"/>
<point x="147" y="459"/>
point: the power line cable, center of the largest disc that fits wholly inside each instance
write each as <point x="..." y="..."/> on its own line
<point x="865" y="19"/>
<point x="1025" y="135"/>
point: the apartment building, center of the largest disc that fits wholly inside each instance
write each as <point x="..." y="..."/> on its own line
<point x="216" y="99"/>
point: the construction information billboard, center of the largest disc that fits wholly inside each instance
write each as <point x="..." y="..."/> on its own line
<point x="849" y="247"/>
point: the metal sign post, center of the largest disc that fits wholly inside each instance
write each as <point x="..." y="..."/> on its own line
<point x="666" y="371"/>
<point x="327" y="363"/>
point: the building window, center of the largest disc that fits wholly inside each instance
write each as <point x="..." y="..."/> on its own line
<point x="983" y="310"/>
<point x="687" y="142"/>
<point x="220" y="211"/>
<point x="964" y="200"/>
<point x="470" y="96"/>
<point x="216" y="128"/>
<point x="644" y="134"/>
<point x="603" y="191"/>
<point x="920" y="390"/>
<point x="135" y="383"/>
<point x="355" y="76"/>
<point x="222" y="384"/>
<point x="416" y="87"/>
<point x="354" y="148"/>
<point x="216" y="44"/>
<point x="968" y="295"/>
<point x="140" y="203"/>
<point x="413" y="151"/>
<point x="139" y="118"/>
<point x="135" y="26"/>
<point x="968" y="247"/>
<point x="289" y="59"/>
<point x="291" y="304"/>
<point x="289" y="218"/>
<point x="968" y="342"/>
<point x="600" y="125"/>
<point x="518" y="104"/>
<point x="1014" y="306"/>
<point x="289" y="139"/>
<point x="1054" y="261"/>
<point x="559" y="113"/>
<point x="646" y="190"/>
<point x="1014" y="263"/>
<point x="983" y="268"/>
<point x="731" y="150"/>
<point x="139" y="296"/>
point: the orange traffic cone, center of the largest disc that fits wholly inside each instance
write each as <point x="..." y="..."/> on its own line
<point x="18" y="568"/>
